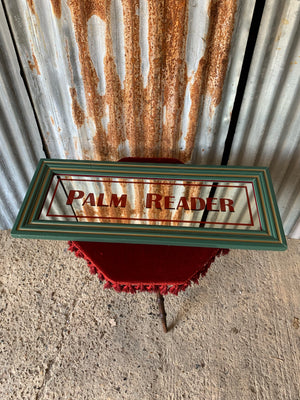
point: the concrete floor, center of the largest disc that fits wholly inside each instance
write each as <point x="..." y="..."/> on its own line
<point x="234" y="336"/>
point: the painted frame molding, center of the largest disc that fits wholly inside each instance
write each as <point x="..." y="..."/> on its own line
<point x="269" y="237"/>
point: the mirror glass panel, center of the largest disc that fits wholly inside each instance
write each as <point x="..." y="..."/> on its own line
<point x="167" y="202"/>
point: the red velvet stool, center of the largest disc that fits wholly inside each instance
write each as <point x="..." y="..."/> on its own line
<point x="137" y="267"/>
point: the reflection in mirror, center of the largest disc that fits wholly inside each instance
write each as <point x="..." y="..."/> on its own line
<point x="165" y="202"/>
<point x="242" y="209"/>
<point x="55" y="207"/>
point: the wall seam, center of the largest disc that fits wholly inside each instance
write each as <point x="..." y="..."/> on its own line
<point x="24" y="79"/>
<point x="252" y="38"/>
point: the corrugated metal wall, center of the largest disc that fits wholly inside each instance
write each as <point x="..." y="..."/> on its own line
<point x="268" y="129"/>
<point x="20" y="142"/>
<point x="117" y="78"/>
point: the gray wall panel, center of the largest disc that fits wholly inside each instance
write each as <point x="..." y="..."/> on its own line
<point x="20" y="143"/>
<point x="268" y="130"/>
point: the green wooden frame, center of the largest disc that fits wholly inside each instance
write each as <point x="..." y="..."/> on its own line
<point x="270" y="237"/>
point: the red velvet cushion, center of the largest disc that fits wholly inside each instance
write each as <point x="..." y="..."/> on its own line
<point x="137" y="265"/>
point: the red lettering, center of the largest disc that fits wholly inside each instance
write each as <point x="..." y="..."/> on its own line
<point x="90" y="200"/>
<point x="226" y="203"/>
<point x="74" y="195"/>
<point x="153" y="197"/>
<point x="210" y="203"/>
<point x="100" y="201"/>
<point x="183" y="203"/>
<point x="194" y="201"/>
<point x="116" y="201"/>
<point x="169" y="202"/>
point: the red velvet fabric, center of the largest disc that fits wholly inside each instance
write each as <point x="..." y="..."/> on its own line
<point x="137" y="267"/>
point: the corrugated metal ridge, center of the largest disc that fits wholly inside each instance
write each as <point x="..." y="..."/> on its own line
<point x="268" y="130"/>
<point x="20" y="144"/>
<point x="139" y="78"/>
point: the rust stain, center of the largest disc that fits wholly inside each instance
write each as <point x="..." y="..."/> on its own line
<point x="104" y="149"/>
<point x="154" y="213"/>
<point x="139" y="206"/>
<point x="69" y="61"/>
<point x="114" y="96"/>
<point x="52" y="120"/>
<point x="88" y="211"/>
<point x="196" y="94"/>
<point x="56" y="7"/>
<point x="77" y="111"/>
<point x="34" y="65"/>
<point x="81" y="11"/>
<point x="31" y="6"/>
<point x="149" y="118"/>
<point x="115" y="213"/>
<point x="86" y="154"/>
<point x="179" y="214"/>
<point x="211" y="72"/>
<point x="133" y="85"/>
<point x="174" y="74"/>
<point x="165" y="215"/>
<point x="167" y="78"/>
<point x="222" y="15"/>
<point x="153" y="104"/>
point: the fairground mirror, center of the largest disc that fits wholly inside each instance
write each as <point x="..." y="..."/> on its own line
<point x="173" y="204"/>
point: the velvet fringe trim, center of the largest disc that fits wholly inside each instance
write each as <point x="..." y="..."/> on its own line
<point x="145" y="287"/>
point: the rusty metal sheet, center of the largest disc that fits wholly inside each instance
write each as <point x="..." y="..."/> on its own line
<point x="148" y="78"/>
<point x="20" y="143"/>
<point x="268" y="130"/>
